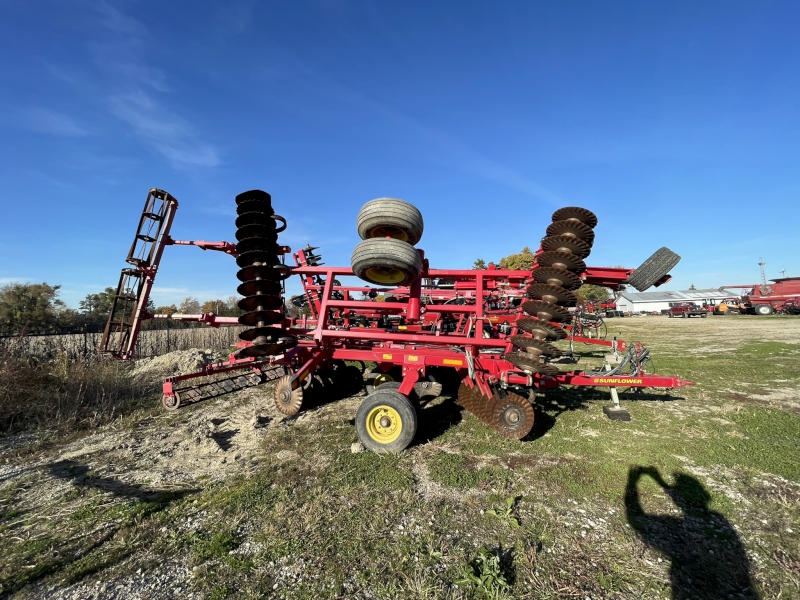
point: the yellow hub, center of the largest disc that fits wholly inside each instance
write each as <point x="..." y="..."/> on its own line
<point x="384" y="424"/>
<point x="384" y="231"/>
<point x="381" y="378"/>
<point x="387" y="275"/>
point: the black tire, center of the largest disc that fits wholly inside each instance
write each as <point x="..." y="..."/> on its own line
<point x="386" y="262"/>
<point x="390" y="217"/>
<point x="763" y="309"/>
<point x="386" y="421"/>
<point x="653" y="269"/>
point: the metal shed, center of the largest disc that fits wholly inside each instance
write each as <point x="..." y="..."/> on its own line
<point x="646" y="302"/>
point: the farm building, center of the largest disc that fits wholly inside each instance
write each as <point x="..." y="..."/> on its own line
<point x="646" y="302"/>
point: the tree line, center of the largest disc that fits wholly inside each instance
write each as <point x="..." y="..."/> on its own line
<point x="35" y="308"/>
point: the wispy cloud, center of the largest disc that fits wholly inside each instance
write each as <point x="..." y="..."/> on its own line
<point x="7" y="280"/>
<point x="168" y="133"/>
<point x="440" y="146"/>
<point x="50" y="122"/>
<point x="135" y="88"/>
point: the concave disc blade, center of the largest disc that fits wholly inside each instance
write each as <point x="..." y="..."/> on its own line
<point x="267" y="317"/>
<point x="260" y="302"/>
<point x="564" y="243"/>
<point x="571" y="229"/>
<point x="541" y="330"/>
<point x="546" y="311"/>
<point x="265" y="286"/>
<point x="561" y="260"/>
<point x="257" y="257"/>
<point x="264" y="232"/>
<point x="288" y="401"/>
<point x="560" y="277"/>
<point x="529" y="363"/>
<point x="255" y="218"/>
<point x="253" y="195"/>
<point x="576" y="213"/>
<point x="254" y="206"/>
<point x="271" y="272"/>
<point x="534" y="346"/>
<point x="552" y="293"/>
<point x="513" y="417"/>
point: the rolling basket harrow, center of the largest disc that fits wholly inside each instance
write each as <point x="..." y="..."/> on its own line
<point x="489" y="330"/>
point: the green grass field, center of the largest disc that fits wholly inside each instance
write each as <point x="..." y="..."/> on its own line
<point x="697" y="496"/>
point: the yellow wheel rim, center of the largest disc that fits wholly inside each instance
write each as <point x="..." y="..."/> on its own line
<point x="388" y="231"/>
<point x="386" y="275"/>
<point x="381" y="378"/>
<point x="384" y="424"/>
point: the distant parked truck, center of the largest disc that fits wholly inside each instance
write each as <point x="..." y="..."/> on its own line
<point x="770" y="298"/>
<point x="687" y="309"/>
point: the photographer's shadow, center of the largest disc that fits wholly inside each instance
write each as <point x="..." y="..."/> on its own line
<point x="708" y="559"/>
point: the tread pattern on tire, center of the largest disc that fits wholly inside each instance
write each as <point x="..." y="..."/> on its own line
<point x="386" y="253"/>
<point x="390" y="212"/>
<point x="654" y="268"/>
<point x="408" y="417"/>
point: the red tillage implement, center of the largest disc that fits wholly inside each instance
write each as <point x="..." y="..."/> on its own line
<point x="489" y="328"/>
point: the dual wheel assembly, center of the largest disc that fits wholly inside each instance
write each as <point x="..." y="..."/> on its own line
<point x="389" y="228"/>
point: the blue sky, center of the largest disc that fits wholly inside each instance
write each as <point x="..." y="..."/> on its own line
<point x="677" y="123"/>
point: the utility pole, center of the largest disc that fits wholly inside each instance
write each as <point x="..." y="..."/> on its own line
<point x="761" y="264"/>
<point x="783" y="273"/>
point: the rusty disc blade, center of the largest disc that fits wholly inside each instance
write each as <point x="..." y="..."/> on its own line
<point x="546" y="311"/>
<point x="266" y="335"/>
<point x="564" y="243"/>
<point x="255" y="218"/>
<point x="260" y="302"/>
<point x="288" y="401"/>
<point x="256" y="317"/>
<point x="271" y="272"/>
<point x="541" y="330"/>
<point x="576" y="213"/>
<point x="253" y="195"/>
<point x="559" y="277"/>
<point x="534" y="346"/>
<point x="466" y="397"/>
<point x="257" y="257"/>
<point x="254" y="206"/>
<point x="572" y="229"/>
<point x="265" y="286"/>
<point x="552" y="293"/>
<point x="560" y="260"/>
<point x="257" y="244"/>
<point x="264" y="232"/>
<point x="513" y="417"/>
<point x="529" y="363"/>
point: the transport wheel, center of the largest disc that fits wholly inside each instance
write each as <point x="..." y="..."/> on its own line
<point x="764" y="309"/>
<point x="386" y="421"/>
<point x="386" y="261"/>
<point x="653" y="269"/>
<point x="390" y="217"/>
<point x="171" y="402"/>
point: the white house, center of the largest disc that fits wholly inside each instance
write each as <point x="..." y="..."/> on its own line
<point x="646" y="302"/>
